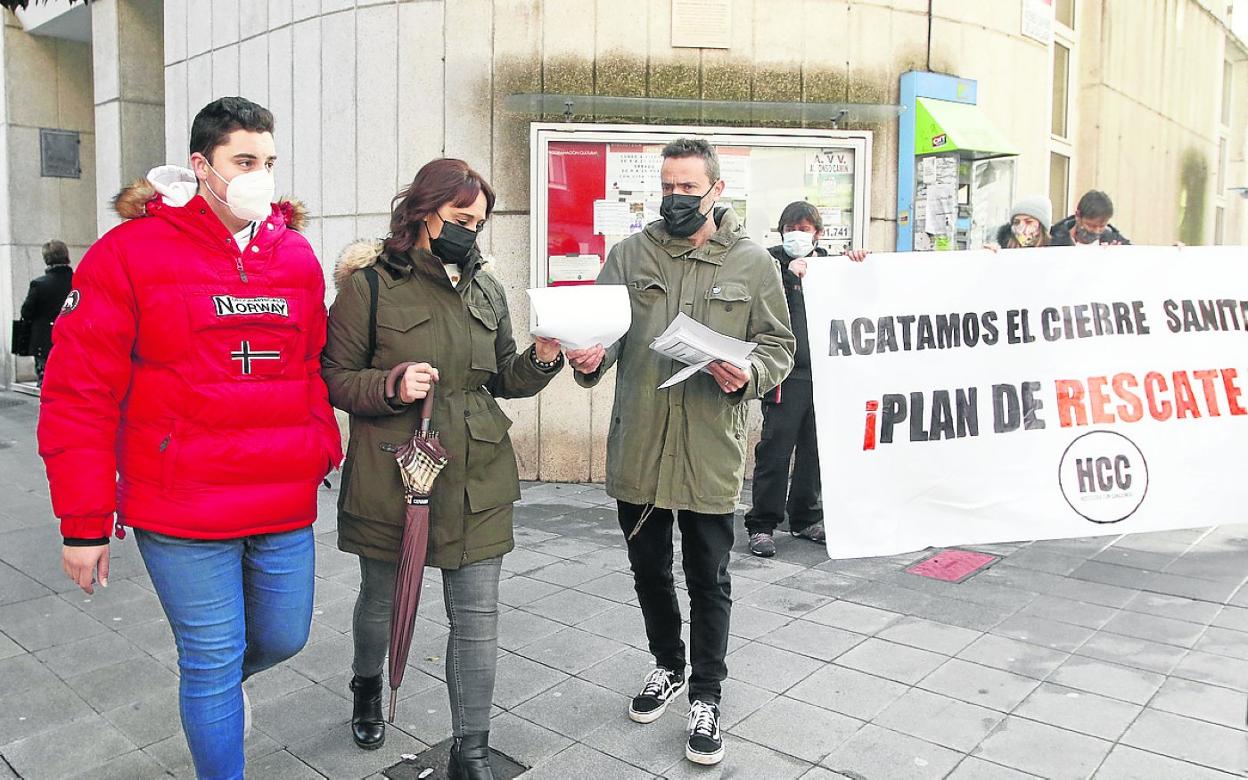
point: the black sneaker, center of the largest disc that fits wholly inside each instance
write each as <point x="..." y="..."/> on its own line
<point x="814" y="532"/>
<point x="706" y="744"/>
<point x="762" y="545"/>
<point x="661" y="686"/>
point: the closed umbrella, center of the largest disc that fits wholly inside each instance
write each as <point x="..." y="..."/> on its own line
<point x="420" y="460"/>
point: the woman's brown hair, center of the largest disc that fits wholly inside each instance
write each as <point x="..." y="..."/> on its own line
<point x="437" y="183"/>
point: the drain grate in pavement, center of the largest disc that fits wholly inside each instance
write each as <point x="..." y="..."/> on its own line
<point x="505" y="767"/>
<point x="6" y="403"/>
<point x="953" y="565"/>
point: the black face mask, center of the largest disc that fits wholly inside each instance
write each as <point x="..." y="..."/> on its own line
<point x="682" y="214"/>
<point x="1085" y="236"/>
<point x="454" y="244"/>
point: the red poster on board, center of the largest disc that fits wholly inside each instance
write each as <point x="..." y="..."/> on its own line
<point x="577" y="178"/>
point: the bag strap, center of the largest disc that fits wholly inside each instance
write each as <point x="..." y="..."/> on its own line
<point x="370" y="274"/>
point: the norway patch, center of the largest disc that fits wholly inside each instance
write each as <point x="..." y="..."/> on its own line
<point x="228" y="305"/>
<point x="245" y="355"/>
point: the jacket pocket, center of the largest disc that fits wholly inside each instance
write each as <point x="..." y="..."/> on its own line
<point x="371" y="486"/>
<point x="248" y="339"/>
<point x="484" y="327"/>
<point x="243" y="357"/>
<point x="491" y="478"/>
<point x="728" y="308"/>
<point x="403" y="334"/>
<point x="646" y="288"/>
<point x="647" y="300"/>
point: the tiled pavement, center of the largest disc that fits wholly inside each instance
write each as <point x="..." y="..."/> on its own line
<point x="1113" y="657"/>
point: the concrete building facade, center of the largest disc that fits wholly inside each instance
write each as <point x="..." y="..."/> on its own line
<point x="1147" y="100"/>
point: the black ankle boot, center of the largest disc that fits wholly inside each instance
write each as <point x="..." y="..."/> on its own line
<point x="368" y="728"/>
<point x="470" y="758"/>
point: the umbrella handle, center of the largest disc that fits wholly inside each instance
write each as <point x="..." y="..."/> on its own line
<point x="392" y="390"/>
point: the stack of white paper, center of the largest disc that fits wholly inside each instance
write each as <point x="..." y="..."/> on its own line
<point x="580" y="316"/>
<point x="697" y="346"/>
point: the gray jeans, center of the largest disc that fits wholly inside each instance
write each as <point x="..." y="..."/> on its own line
<point x="471" y="597"/>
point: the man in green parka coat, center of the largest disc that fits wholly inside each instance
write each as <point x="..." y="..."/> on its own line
<point x="678" y="455"/>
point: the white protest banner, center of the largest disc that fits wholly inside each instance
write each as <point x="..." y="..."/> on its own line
<point x="1028" y="394"/>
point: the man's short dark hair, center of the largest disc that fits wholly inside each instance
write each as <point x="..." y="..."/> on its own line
<point x="695" y="147"/>
<point x="215" y="121"/>
<point x="55" y="253"/>
<point x="800" y="211"/>
<point x="1095" y="205"/>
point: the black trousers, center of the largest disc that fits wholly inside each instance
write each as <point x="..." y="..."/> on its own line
<point x="788" y="435"/>
<point x="705" y="542"/>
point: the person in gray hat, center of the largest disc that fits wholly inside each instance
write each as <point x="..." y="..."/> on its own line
<point x="1029" y="224"/>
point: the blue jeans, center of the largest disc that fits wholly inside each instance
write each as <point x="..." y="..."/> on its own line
<point x="236" y="607"/>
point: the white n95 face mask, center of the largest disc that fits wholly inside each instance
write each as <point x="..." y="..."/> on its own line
<point x="797" y="243"/>
<point x="249" y="195"/>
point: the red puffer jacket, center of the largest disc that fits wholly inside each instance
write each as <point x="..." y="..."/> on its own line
<point x="183" y="391"/>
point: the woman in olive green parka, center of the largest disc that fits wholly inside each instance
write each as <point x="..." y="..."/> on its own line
<point x="437" y="306"/>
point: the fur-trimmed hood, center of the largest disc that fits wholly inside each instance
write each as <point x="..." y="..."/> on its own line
<point x="357" y="255"/>
<point x="365" y="252"/>
<point x="176" y="186"/>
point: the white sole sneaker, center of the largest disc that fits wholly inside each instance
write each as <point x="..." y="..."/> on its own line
<point x="657" y="712"/>
<point x="246" y="715"/>
<point x="705" y="759"/>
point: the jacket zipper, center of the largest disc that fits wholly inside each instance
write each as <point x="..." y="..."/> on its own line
<point x="238" y="260"/>
<point x="119" y="528"/>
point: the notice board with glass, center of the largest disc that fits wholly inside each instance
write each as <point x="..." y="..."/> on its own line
<point x="594" y="185"/>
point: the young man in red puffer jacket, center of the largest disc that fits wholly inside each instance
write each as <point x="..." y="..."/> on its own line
<point x="184" y="397"/>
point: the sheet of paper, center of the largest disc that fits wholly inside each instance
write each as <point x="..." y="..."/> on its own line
<point x="580" y="316"/>
<point x="633" y="168"/>
<point x="942" y="209"/>
<point x="612" y="218"/>
<point x="944" y="171"/>
<point x="684" y="374"/>
<point x="690" y="342"/>
<point x="573" y="268"/>
<point x="734" y="169"/>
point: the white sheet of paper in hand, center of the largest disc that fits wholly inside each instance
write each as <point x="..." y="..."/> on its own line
<point x="580" y="316"/>
<point x="694" y="344"/>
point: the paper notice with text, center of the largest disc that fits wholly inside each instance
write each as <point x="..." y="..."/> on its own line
<point x="690" y="342"/>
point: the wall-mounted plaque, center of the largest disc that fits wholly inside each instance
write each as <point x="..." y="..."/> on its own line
<point x="702" y="24"/>
<point x="58" y="154"/>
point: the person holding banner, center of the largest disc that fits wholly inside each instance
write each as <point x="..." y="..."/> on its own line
<point x="789" y="410"/>
<point x="677" y="455"/>
<point x="1089" y="224"/>
<point x="1029" y="224"/>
